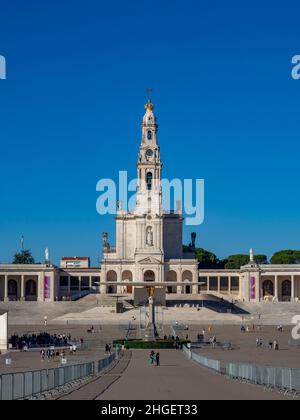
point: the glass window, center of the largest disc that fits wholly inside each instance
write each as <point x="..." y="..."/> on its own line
<point x="149" y="181"/>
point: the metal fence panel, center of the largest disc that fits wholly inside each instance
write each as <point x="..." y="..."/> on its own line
<point x="287" y="379"/>
<point x="28" y="384"/>
<point x="44" y="381"/>
<point x="51" y="379"/>
<point x="61" y="376"/>
<point x="18" y="386"/>
<point x="7" y="387"/>
<point x="36" y="382"/>
<point x="295" y="379"/>
<point x="25" y="384"/>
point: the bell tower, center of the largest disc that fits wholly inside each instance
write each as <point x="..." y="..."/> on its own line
<point x="149" y="197"/>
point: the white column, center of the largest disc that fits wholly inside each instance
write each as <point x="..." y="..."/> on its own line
<point x="195" y="290"/>
<point x="293" y="287"/>
<point x="276" y="288"/>
<point x="219" y="285"/>
<point x="119" y="278"/>
<point x="23" y="287"/>
<point x="5" y="288"/>
<point x="90" y="283"/>
<point x="208" y="284"/>
<point x="229" y="285"/>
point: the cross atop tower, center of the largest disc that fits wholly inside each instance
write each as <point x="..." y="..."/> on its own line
<point x="149" y="91"/>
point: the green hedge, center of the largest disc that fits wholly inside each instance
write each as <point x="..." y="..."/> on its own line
<point x="141" y="344"/>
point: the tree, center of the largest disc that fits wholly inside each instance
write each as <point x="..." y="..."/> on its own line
<point x="206" y="259"/>
<point x="235" y="262"/>
<point x="286" y="257"/>
<point x="261" y="259"/>
<point x="23" y="257"/>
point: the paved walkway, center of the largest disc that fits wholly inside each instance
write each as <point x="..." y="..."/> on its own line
<point x="176" y="379"/>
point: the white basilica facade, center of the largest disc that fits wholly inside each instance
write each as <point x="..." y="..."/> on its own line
<point x="148" y="251"/>
<point x="149" y="240"/>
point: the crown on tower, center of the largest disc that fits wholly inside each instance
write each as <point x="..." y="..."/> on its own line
<point x="149" y="105"/>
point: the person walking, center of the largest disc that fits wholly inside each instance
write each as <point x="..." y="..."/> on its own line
<point x="157" y="357"/>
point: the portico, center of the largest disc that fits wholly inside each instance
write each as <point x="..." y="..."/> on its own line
<point x="27" y="282"/>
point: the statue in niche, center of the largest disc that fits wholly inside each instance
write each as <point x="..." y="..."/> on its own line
<point x="105" y="241"/>
<point x="149" y="236"/>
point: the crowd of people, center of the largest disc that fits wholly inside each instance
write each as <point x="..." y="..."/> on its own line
<point x="273" y="345"/>
<point x="43" y="339"/>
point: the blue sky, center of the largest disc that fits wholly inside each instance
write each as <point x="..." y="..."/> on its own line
<point x="71" y="108"/>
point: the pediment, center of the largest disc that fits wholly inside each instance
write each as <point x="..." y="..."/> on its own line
<point x="149" y="260"/>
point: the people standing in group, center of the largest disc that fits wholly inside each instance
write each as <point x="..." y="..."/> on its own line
<point x="157" y="359"/>
<point x="152" y="357"/>
<point x="259" y="343"/>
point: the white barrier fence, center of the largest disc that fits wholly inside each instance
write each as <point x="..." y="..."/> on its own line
<point x="23" y="385"/>
<point x="272" y="377"/>
<point x="285" y="379"/>
<point x="211" y="364"/>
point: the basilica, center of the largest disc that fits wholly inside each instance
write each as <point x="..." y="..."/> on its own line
<point x="148" y="251"/>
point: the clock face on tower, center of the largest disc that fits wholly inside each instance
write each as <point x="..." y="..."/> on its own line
<point x="149" y="153"/>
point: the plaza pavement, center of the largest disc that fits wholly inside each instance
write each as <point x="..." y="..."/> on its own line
<point x="245" y="345"/>
<point x="176" y="379"/>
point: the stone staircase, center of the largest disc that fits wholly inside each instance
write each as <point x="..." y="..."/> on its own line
<point x="272" y="313"/>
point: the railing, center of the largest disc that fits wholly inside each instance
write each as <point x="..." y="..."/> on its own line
<point x="211" y="364"/>
<point x="23" y="385"/>
<point x="285" y="379"/>
<point x="272" y="377"/>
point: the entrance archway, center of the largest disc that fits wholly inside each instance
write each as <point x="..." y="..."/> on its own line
<point x="110" y="277"/>
<point x="149" y="275"/>
<point x="187" y="277"/>
<point x="286" y="290"/>
<point x="172" y="277"/>
<point x="12" y="289"/>
<point x="127" y="276"/>
<point x="268" y="288"/>
<point x="31" y="290"/>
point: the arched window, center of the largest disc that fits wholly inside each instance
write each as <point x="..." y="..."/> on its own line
<point x="149" y="180"/>
<point x="149" y="135"/>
